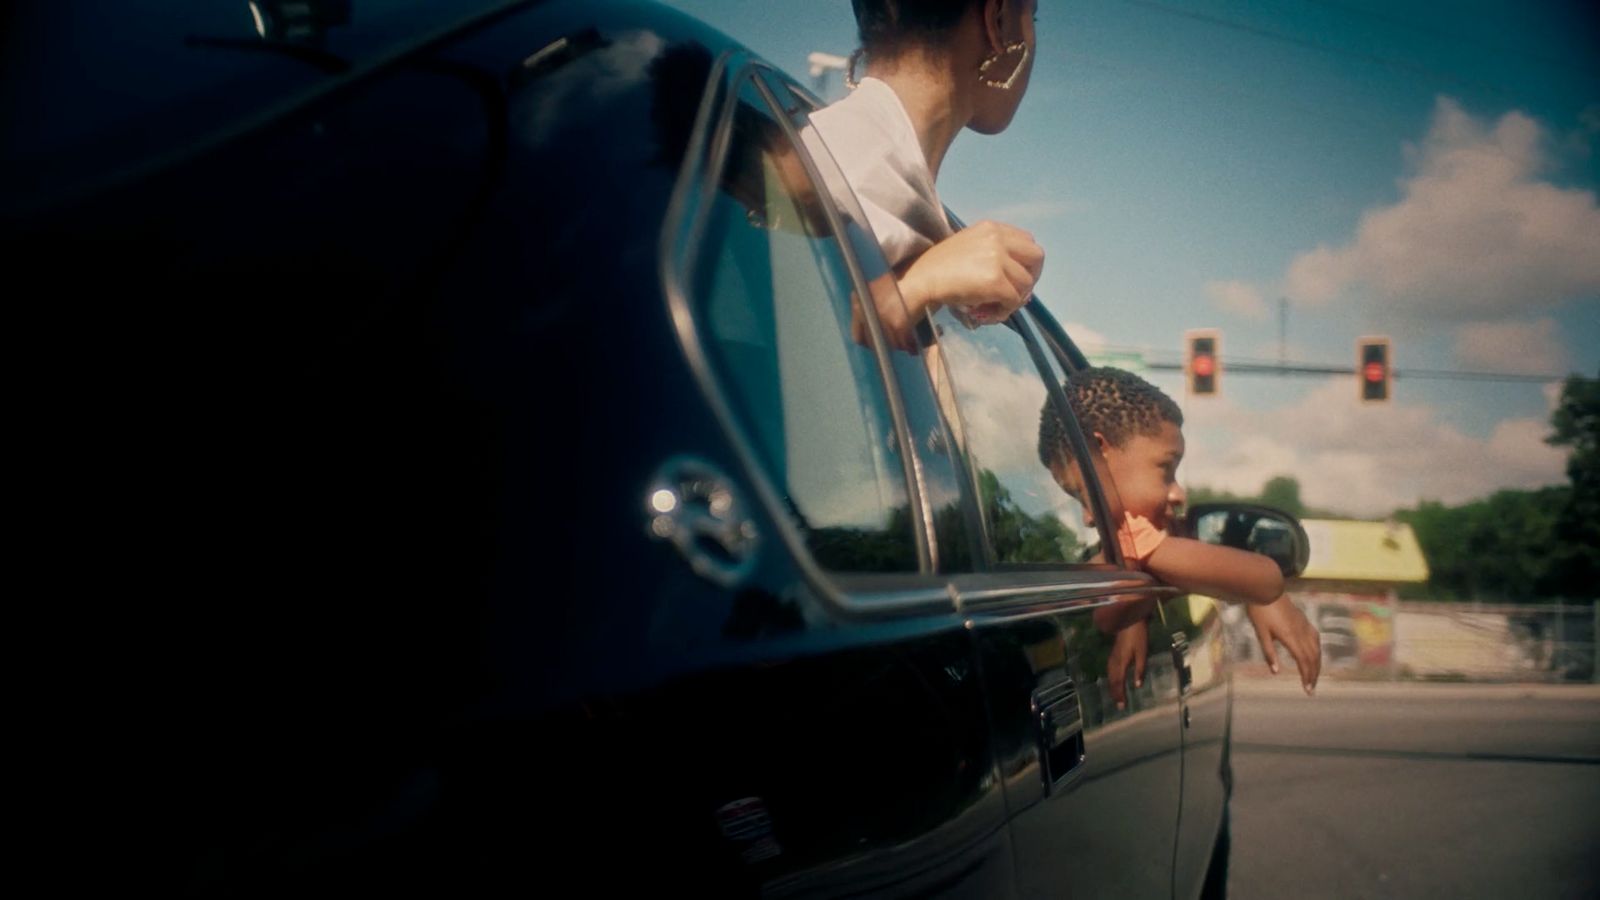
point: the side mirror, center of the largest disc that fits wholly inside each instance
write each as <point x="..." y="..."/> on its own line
<point x="1259" y="529"/>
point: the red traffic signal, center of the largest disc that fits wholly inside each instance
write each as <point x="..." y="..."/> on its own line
<point x="1202" y="363"/>
<point x="1373" y="369"/>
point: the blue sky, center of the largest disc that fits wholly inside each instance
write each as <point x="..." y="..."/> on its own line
<point x="1426" y="171"/>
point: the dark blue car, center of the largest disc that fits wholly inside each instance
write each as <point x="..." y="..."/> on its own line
<point x="483" y="415"/>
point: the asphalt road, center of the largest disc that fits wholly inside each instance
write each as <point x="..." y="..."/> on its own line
<point x="1415" y="791"/>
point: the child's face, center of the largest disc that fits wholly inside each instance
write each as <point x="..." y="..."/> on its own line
<point x="1145" y="470"/>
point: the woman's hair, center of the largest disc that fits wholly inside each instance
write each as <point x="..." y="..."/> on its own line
<point x="887" y="25"/>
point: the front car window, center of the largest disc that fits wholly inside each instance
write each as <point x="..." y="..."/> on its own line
<point x="928" y="421"/>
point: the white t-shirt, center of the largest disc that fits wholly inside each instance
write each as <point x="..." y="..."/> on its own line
<point x="872" y="140"/>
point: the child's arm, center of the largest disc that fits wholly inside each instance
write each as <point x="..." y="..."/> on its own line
<point x="1127" y="620"/>
<point x="1113" y="617"/>
<point x="1282" y="622"/>
<point x="1223" y="572"/>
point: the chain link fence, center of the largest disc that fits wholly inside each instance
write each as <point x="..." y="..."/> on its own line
<point x="1375" y="637"/>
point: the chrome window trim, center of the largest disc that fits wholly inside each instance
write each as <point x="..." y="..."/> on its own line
<point x="1080" y="443"/>
<point x="1095" y="589"/>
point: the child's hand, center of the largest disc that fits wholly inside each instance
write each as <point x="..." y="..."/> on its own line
<point x="1129" y="650"/>
<point x="1282" y="621"/>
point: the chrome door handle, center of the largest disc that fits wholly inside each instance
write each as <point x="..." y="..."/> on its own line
<point x="1180" y="652"/>
<point x="694" y="506"/>
<point x="1059" y="717"/>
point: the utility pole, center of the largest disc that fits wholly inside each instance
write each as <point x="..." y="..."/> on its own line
<point x="1283" y="333"/>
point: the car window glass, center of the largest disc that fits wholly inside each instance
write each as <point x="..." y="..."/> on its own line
<point x="998" y="395"/>
<point x="929" y="426"/>
<point x="772" y="296"/>
<point x="1102" y="483"/>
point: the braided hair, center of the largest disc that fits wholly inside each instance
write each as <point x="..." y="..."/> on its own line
<point x="1116" y="403"/>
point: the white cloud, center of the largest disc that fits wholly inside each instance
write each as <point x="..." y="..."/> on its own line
<point x="1552" y="396"/>
<point x="1363" y="459"/>
<point x="1238" y="297"/>
<point x="1512" y="346"/>
<point x="1087" y="339"/>
<point x="1477" y="234"/>
<point x="999" y="398"/>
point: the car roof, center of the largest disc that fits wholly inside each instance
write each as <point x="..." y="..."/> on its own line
<point x="100" y="90"/>
<point x="93" y="83"/>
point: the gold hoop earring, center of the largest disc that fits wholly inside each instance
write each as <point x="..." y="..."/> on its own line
<point x="983" y="67"/>
<point x="850" y="68"/>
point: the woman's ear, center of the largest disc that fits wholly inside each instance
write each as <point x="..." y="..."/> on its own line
<point x="994" y="13"/>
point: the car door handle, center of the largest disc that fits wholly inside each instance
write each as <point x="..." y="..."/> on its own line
<point x="1180" y="652"/>
<point x="697" y="508"/>
<point x="1059" y="717"/>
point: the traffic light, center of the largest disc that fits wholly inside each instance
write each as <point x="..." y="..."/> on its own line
<point x="1202" y="361"/>
<point x="1372" y="369"/>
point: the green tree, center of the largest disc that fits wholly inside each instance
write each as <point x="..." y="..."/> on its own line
<point x="1280" y="491"/>
<point x="1502" y="548"/>
<point x="1576" y="424"/>
<point x="1203" y="494"/>
<point x="1576" y="421"/>
<point x="1017" y="536"/>
<point x="1283" y="492"/>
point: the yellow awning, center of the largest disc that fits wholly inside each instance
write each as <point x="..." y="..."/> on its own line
<point x="1343" y="550"/>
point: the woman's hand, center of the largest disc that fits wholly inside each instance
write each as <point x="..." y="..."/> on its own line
<point x="988" y="268"/>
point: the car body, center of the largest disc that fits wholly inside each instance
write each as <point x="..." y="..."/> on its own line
<point x="540" y="504"/>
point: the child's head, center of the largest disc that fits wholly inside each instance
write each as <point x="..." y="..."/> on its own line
<point x="1138" y="431"/>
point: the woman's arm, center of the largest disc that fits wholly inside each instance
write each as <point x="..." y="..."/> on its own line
<point x="989" y="268"/>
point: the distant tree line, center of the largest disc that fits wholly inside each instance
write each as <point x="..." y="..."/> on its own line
<point x="1514" y="546"/>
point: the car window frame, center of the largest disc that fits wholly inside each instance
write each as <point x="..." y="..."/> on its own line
<point x="977" y="527"/>
<point x="1006" y="591"/>
<point x="1002" y="587"/>
<point x="1047" y="342"/>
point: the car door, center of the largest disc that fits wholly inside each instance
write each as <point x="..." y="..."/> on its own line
<point x="1207" y="715"/>
<point x="843" y="746"/>
<point x="1188" y="633"/>
<point x="1093" y="791"/>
